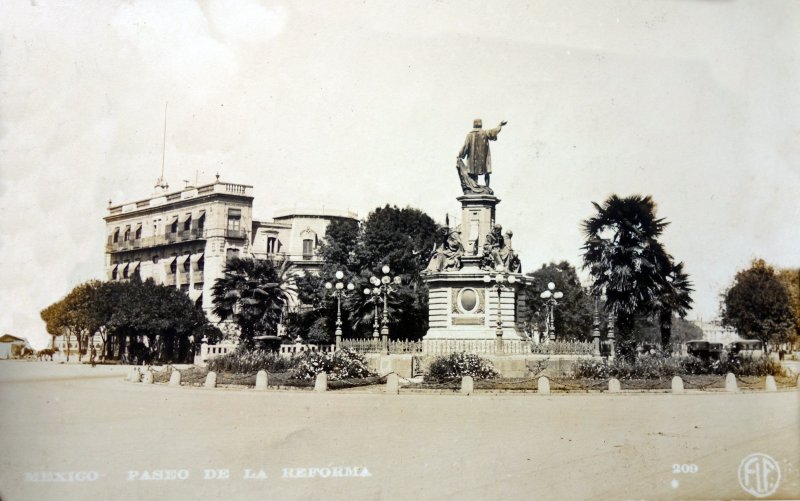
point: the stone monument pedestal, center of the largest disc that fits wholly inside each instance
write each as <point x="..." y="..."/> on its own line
<point x="463" y="312"/>
<point x="477" y="216"/>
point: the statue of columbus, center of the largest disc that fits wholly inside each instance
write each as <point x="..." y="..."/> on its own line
<point x="476" y="150"/>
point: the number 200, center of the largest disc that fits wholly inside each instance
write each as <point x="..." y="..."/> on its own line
<point x="685" y="468"/>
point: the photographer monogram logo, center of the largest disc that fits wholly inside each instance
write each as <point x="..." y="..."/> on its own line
<point x="759" y="475"/>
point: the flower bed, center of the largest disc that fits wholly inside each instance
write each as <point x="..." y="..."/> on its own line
<point x="655" y="367"/>
<point x="445" y="368"/>
<point x="341" y="365"/>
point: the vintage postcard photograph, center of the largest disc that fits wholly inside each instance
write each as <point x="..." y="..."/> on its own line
<point x="417" y="250"/>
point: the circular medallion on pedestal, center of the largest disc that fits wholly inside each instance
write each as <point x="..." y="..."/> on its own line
<point x="468" y="300"/>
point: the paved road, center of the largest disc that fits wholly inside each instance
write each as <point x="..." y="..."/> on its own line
<point x="58" y="419"/>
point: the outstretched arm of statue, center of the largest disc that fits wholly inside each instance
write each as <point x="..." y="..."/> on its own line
<point x="492" y="133"/>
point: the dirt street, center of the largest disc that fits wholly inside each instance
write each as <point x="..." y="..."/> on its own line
<point x="73" y="432"/>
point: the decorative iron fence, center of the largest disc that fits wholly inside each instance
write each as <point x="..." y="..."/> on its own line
<point x="478" y="346"/>
<point x="563" y="348"/>
<point x="375" y="346"/>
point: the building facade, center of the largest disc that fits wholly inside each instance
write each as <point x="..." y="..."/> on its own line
<point x="715" y="332"/>
<point x="184" y="238"/>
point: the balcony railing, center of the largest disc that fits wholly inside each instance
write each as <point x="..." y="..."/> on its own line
<point x="155" y="241"/>
<point x="279" y="256"/>
<point x="229" y="233"/>
<point x="197" y="276"/>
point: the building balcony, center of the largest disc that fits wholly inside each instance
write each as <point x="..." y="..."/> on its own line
<point x="183" y="277"/>
<point x="198" y="276"/>
<point x="155" y="241"/>
<point x="293" y="258"/>
<point x="169" y="280"/>
<point x="235" y="234"/>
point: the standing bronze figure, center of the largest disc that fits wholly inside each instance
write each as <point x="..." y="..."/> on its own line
<point x="476" y="150"/>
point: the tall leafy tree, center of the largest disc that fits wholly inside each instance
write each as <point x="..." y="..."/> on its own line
<point x="625" y="259"/>
<point x="253" y="294"/>
<point x="125" y="313"/>
<point x="401" y="238"/>
<point x="573" y="315"/>
<point x="339" y="245"/>
<point x="54" y="319"/>
<point x="757" y="305"/>
<point x="790" y="278"/>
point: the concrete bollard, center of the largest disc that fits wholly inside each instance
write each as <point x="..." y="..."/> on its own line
<point x="148" y="377"/>
<point x="211" y="380"/>
<point x="261" y="380"/>
<point x="543" y="385"/>
<point x="770" y="384"/>
<point x="730" y="382"/>
<point x="393" y="384"/>
<point x="321" y="383"/>
<point x="175" y="378"/>
<point x="614" y="385"/>
<point x="677" y="385"/>
<point x="467" y="385"/>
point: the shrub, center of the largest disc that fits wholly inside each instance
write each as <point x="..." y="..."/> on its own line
<point x="659" y="368"/>
<point x="461" y="364"/>
<point x="590" y="368"/>
<point x="343" y="364"/>
<point x="745" y="366"/>
<point x="244" y="361"/>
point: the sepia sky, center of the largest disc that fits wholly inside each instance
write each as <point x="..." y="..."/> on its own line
<point x="356" y="104"/>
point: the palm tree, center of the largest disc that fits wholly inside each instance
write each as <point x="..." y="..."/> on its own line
<point x="254" y="294"/>
<point x="625" y="258"/>
<point x="673" y="299"/>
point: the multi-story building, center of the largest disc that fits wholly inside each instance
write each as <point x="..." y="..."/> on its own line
<point x="184" y="238"/>
<point x="715" y="332"/>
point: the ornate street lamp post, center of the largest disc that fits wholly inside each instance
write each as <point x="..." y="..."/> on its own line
<point x="596" y="331"/>
<point x="338" y="291"/>
<point x="374" y="297"/>
<point x="500" y="284"/>
<point x="385" y="285"/>
<point x="551" y="298"/>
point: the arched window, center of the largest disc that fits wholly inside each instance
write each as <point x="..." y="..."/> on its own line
<point x="309" y="243"/>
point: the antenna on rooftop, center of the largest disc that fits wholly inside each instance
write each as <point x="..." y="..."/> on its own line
<point x="161" y="182"/>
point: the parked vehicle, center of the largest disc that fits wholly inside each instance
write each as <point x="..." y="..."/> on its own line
<point x="704" y="349"/>
<point x="746" y="348"/>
